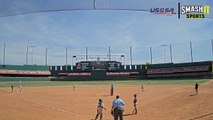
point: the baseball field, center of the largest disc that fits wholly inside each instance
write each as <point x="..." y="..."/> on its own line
<point x="161" y="100"/>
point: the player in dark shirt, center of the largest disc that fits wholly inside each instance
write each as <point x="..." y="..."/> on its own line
<point x="135" y="104"/>
<point x="112" y="89"/>
<point x="12" y="86"/>
<point x="196" y="88"/>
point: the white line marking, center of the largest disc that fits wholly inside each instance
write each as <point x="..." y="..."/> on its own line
<point x="55" y="108"/>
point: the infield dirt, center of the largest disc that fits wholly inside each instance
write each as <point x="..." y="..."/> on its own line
<point x="158" y="102"/>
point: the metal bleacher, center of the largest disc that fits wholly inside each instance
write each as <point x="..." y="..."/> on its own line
<point x="24" y="67"/>
<point x="24" y="71"/>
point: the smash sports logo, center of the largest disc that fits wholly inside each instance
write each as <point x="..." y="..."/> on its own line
<point x="167" y="11"/>
<point x="195" y="11"/>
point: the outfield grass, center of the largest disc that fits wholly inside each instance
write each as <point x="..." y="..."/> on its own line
<point x="121" y="82"/>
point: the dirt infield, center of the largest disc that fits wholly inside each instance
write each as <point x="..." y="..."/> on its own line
<point x="158" y="102"/>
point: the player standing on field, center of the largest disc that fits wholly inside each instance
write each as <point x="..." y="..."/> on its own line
<point x="73" y="86"/>
<point x="142" y="88"/>
<point x="100" y="109"/>
<point x="196" y="88"/>
<point x="135" y="105"/>
<point x="12" y="86"/>
<point x="112" y="89"/>
<point x="20" y="86"/>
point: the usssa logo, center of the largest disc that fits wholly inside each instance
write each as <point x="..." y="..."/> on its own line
<point x="167" y="11"/>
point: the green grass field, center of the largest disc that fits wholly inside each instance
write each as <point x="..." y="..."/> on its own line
<point x="31" y="83"/>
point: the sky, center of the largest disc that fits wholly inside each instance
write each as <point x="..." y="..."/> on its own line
<point x="77" y="27"/>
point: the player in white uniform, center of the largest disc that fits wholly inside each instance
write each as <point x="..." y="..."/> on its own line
<point x="20" y="86"/>
<point x="100" y="109"/>
<point x="142" y="88"/>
